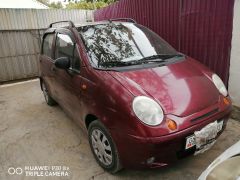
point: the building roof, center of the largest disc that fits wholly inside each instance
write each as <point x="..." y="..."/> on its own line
<point x="22" y="4"/>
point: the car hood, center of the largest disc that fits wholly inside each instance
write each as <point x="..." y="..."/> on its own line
<point x="181" y="88"/>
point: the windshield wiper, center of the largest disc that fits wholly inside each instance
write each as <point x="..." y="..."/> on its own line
<point x="154" y="59"/>
<point x="115" y="63"/>
<point x="110" y="64"/>
<point x="161" y="57"/>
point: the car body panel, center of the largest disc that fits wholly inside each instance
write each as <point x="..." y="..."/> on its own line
<point x="166" y="149"/>
<point x="180" y="88"/>
<point x="184" y="90"/>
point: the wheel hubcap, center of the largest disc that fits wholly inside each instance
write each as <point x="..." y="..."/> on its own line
<point x="101" y="147"/>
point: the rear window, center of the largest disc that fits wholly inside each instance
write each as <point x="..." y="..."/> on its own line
<point x="47" y="45"/>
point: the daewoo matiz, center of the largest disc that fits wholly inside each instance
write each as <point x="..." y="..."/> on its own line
<point x="142" y="103"/>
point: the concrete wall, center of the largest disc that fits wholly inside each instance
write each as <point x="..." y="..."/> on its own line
<point x="20" y="38"/>
<point x="234" y="78"/>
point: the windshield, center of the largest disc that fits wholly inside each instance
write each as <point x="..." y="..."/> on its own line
<point x="114" y="44"/>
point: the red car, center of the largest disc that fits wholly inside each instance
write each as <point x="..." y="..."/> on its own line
<point x="142" y="103"/>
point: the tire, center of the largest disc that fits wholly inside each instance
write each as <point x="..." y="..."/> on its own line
<point x="49" y="100"/>
<point x="103" y="148"/>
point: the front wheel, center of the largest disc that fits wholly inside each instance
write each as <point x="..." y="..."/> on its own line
<point x="103" y="147"/>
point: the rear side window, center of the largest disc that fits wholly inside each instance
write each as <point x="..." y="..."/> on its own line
<point x="47" y="45"/>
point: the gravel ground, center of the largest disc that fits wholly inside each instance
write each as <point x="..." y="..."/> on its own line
<point x="34" y="134"/>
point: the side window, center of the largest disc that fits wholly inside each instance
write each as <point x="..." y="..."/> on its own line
<point x="76" y="60"/>
<point x="66" y="48"/>
<point x="47" y="44"/>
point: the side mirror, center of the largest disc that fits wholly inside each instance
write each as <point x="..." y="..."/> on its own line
<point x="62" y="63"/>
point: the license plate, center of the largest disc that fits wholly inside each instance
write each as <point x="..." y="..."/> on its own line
<point x="190" y="142"/>
<point x="204" y="136"/>
<point x="220" y="126"/>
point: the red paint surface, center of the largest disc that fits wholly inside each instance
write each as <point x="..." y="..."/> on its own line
<point x="183" y="89"/>
<point x="201" y="29"/>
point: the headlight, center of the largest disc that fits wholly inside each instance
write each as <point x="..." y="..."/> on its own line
<point x="148" y="110"/>
<point x="219" y="84"/>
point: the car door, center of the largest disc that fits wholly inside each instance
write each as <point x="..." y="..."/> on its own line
<point x="46" y="61"/>
<point x="68" y="81"/>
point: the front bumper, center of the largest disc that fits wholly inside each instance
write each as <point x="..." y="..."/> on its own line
<point x="140" y="152"/>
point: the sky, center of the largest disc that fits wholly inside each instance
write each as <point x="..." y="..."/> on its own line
<point x="21" y="4"/>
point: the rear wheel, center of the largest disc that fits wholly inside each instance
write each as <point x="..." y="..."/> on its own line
<point x="49" y="100"/>
<point x="103" y="147"/>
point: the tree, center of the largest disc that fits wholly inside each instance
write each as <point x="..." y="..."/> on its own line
<point x="79" y="4"/>
<point x="87" y="5"/>
<point x="45" y="2"/>
<point x="56" y="5"/>
<point x="106" y="1"/>
<point x="53" y="5"/>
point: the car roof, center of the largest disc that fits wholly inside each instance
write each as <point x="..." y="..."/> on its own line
<point x="91" y="23"/>
<point x="100" y="22"/>
<point x="79" y="25"/>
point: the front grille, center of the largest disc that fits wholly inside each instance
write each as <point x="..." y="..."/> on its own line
<point x="184" y="153"/>
<point x="205" y="115"/>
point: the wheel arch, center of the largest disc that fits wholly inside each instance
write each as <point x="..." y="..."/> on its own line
<point x="89" y="119"/>
<point x="41" y="81"/>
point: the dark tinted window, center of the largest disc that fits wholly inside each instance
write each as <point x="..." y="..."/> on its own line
<point x="76" y="60"/>
<point x="122" y="42"/>
<point x="47" y="44"/>
<point x="66" y="48"/>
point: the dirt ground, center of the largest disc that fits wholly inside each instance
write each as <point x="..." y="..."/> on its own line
<point x="34" y="134"/>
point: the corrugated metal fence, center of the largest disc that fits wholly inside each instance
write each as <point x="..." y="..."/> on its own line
<point x="201" y="29"/>
<point x="20" y="36"/>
